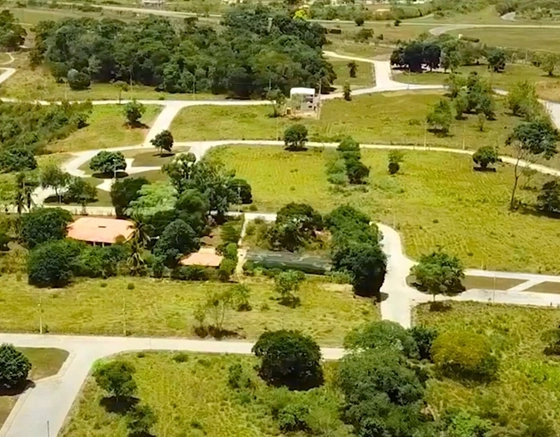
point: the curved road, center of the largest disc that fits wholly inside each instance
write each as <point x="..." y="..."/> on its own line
<point x="51" y="400"/>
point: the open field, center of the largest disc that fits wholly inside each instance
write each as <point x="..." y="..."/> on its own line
<point x="545" y="39"/>
<point x="437" y="200"/>
<point x="106" y="128"/>
<point x="547" y="87"/>
<point x="45" y="362"/>
<point x="165" y="308"/>
<point x="487" y="15"/>
<point x="382" y="118"/>
<point x="193" y="398"/>
<point x="527" y="381"/>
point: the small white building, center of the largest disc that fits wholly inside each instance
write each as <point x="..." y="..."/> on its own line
<point x="303" y="99"/>
<point x="159" y="4"/>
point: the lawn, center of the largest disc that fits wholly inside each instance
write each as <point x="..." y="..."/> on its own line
<point x="365" y="75"/>
<point x="106" y="129"/>
<point x="548" y="87"/>
<point x="437" y="200"/>
<point x="165" y="308"/>
<point x="528" y="380"/>
<point x="45" y="362"/>
<point x="381" y="118"/>
<point x="193" y="398"/>
<point x="545" y="39"/>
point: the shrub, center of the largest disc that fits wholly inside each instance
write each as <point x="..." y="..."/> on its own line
<point x="382" y="334"/>
<point x="424" y="337"/>
<point x="226" y="269"/>
<point x="466" y="355"/>
<point x="116" y="378"/>
<point x="107" y="162"/>
<point x="231" y="232"/>
<point x="485" y="156"/>
<point x="293" y="418"/>
<point x="238" y="378"/>
<point x="191" y="273"/>
<point x="289" y="358"/>
<point x="140" y="419"/>
<point x="77" y="80"/>
<point x="295" y="137"/>
<point x="14" y="367"/>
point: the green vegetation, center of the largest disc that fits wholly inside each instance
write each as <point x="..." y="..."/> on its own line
<point x="525" y="382"/>
<point x="150" y="307"/>
<point x="547" y="87"/>
<point x="184" y="389"/>
<point x="44" y="363"/>
<point x="106" y="128"/>
<point x="384" y="118"/>
<point x="436" y="201"/>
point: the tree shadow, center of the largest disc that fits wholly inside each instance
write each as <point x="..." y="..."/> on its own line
<point x="214" y="332"/>
<point x="526" y="209"/>
<point x="119" y="405"/>
<point x="16" y="390"/>
<point x="137" y="125"/>
<point x="290" y="301"/>
<point x="440" y="306"/>
<point x="440" y="134"/>
<point x="485" y="170"/>
<point x="120" y="174"/>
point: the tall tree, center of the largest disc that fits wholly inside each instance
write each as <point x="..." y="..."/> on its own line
<point x="531" y="141"/>
<point x="163" y="141"/>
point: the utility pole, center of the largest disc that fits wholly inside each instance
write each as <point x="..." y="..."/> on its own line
<point x="41" y="313"/>
<point x="124" y="314"/>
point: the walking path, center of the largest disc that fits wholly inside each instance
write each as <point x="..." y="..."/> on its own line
<point x="50" y="401"/>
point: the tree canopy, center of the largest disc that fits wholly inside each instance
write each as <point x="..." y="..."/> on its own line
<point x="44" y="224"/>
<point x="248" y="57"/>
<point x="14" y="367"/>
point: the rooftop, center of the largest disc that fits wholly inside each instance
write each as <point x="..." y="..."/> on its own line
<point x="100" y="230"/>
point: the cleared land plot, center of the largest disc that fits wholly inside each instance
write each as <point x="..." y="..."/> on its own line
<point x="349" y="47"/>
<point x="106" y="129"/>
<point x="521" y="38"/>
<point x="193" y="398"/>
<point x="165" y="308"/>
<point x="437" y="200"/>
<point x="45" y="362"/>
<point x="548" y="87"/>
<point x="527" y="381"/>
<point x="382" y="118"/>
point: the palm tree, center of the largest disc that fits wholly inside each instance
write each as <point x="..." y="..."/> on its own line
<point x="138" y="241"/>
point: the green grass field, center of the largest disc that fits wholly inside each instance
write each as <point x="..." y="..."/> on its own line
<point x="528" y="380"/>
<point x="192" y="398"/>
<point x="544" y="39"/>
<point x="45" y="362"/>
<point x="382" y="118"/>
<point x="437" y="200"/>
<point x="106" y="129"/>
<point x="365" y="75"/>
<point x="165" y="308"/>
<point x="547" y="87"/>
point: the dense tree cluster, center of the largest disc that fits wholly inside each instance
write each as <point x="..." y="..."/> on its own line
<point x="28" y="126"/>
<point x="445" y="52"/>
<point x="355" y="249"/>
<point x="258" y="50"/>
<point x="12" y="34"/>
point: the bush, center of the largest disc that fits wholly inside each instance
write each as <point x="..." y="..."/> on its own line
<point x="231" y="232"/>
<point x="191" y="273"/>
<point x="100" y="262"/>
<point x="116" y="378"/>
<point x="464" y="355"/>
<point x="139" y="420"/>
<point x="293" y="418"/>
<point x="238" y="377"/>
<point x="226" y="269"/>
<point x="382" y="334"/>
<point x="295" y="137"/>
<point x="52" y="264"/>
<point x="14" y="367"/>
<point x="44" y="224"/>
<point x="424" y="338"/>
<point x="289" y="358"/>
<point x="485" y="156"/>
<point x="77" y="80"/>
